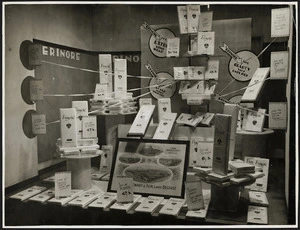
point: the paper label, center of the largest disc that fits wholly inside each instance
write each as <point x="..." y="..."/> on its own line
<point x="68" y="127"/>
<point x="105" y="71"/>
<point x="89" y="127"/>
<point x="279" y="65"/>
<point x="120" y="83"/>
<point x="196" y="72"/>
<point x="182" y="17"/>
<point x="255" y="85"/>
<point x="36" y="89"/>
<point x="62" y="184"/>
<point x="164" y="106"/>
<point x="39" y="123"/>
<point x="180" y="73"/>
<point x="205" y="21"/>
<point x="193" y="12"/>
<point x="164" y="127"/>
<point x="206" y="43"/>
<point x="212" y="71"/>
<point x="280" y="22"/>
<point x="125" y="189"/>
<point x="173" y="47"/>
<point x="194" y="196"/>
<point x="277" y="115"/>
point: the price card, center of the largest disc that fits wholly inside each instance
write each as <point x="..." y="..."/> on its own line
<point x="100" y="92"/>
<point x="62" y="184"/>
<point x="125" y="189"/>
<point x="277" y="115"/>
<point x="173" y="47"/>
<point x="194" y="196"/>
<point x="89" y="127"/>
<point x="212" y="71"/>
<point x="39" y="123"/>
<point x="280" y="22"/>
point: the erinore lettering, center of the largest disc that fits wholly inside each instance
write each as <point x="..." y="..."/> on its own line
<point x="56" y="52"/>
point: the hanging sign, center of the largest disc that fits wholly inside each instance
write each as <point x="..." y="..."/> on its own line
<point x="162" y="85"/>
<point x="242" y="64"/>
<point x="158" y="40"/>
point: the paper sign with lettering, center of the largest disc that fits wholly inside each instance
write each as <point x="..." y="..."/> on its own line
<point x="194" y="196"/>
<point x="36" y="89"/>
<point x="39" y="123"/>
<point x="205" y="21"/>
<point x="89" y="127"/>
<point x="277" y="115"/>
<point x="280" y="22"/>
<point x="101" y="91"/>
<point x="68" y="127"/>
<point x="212" y="71"/>
<point x="279" y="65"/>
<point x="62" y="184"/>
<point x="124" y="189"/>
<point x="173" y="47"/>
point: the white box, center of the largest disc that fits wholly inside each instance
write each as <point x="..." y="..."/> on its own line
<point x="163" y="106"/>
<point x="165" y="126"/>
<point x="182" y="18"/>
<point x="89" y="127"/>
<point x="196" y="72"/>
<point x="105" y="71"/>
<point x="68" y="127"/>
<point x="206" y="43"/>
<point x="120" y="83"/>
<point x="180" y="73"/>
<point x="193" y="13"/>
<point x="173" y="45"/>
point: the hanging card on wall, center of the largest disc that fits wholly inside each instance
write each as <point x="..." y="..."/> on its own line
<point x="173" y="47"/>
<point x="205" y="21"/>
<point x="36" y="89"/>
<point x="277" y="115"/>
<point x="280" y="22"/>
<point x="279" y="65"/>
<point x="206" y="43"/>
<point x="180" y="73"/>
<point x="193" y="13"/>
<point x="212" y="71"/>
<point x="182" y="18"/>
<point x="105" y="71"/>
<point x="39" y="123"/>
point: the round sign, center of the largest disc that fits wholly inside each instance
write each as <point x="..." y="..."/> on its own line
<point x="166" y="86"/>
<point x="158" y="45"/>
<point x="243" y="68"/>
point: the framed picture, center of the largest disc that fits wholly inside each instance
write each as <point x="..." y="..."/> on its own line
<point x="158" y="167"/>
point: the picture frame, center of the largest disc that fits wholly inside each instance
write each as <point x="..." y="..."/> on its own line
<point x="158" y="167"/>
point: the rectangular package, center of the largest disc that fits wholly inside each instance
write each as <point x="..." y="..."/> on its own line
<point x="120" y="83"/>
<point x="182" y="18"/>
<point x="105" y="71"/>
<point x="68" y="127"/>
<point x="221" y="144"/>
<point x="206" y="43"/>
<point x="193" y="13"/>
<point x="163" y="106"/>
<point x="165" y="126"/>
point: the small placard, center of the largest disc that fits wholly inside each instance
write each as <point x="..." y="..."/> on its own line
<point x="173" y="47"/>
<point x="39" y="123"/>
<point x="182" y="18"/>
<point x="206" y="43"/>
<point x="193" y="13"/>
<point x="36" y="89"/>
<point x="205" y="21"/>
<point x="100" y="92"/>
<point x="277" y="115"/>
<point x="62" y="184"/>
<point x="89" y="127"/>
<point x="280" y="22"/>
<point x="194" y="196"/>
<point x="212" y="71"/>
<point x="279" y="65"/>
<point x="125" y="189"/>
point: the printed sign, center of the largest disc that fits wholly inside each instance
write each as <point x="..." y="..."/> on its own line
<point x="280" y="22"/>
<point x="124" y="189"/>
<point x="194" y="196"/>
<point x="242" y="64"/>
<point x="62" y="184"/>
<point x="158" y="167"/>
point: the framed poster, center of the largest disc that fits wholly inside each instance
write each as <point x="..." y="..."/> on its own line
<point x="158" y="167"/>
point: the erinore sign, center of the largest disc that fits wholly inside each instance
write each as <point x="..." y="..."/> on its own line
<point x="57" y="52"/>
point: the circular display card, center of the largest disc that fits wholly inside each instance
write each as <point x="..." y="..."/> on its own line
<point x="243" y="68"/>
<point x="158" y="45"/>
<point x="166" y="86"/>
